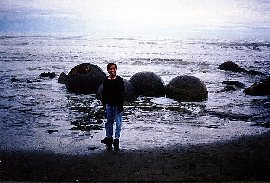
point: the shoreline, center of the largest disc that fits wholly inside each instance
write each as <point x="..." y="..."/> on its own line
<point x="243" y="159"/>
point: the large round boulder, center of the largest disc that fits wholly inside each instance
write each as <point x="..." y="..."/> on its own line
<point x="85" y="78"/>
<point x="186" y="88"/>
<point x="130" y="94"/>
<point x="259" y="89"/>
<point x="148" y="84"/>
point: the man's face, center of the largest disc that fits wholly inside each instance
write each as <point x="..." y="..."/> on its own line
<point x="112" y="71"/>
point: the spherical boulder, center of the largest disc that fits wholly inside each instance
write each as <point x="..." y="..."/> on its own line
<point x="259" y="89"/>
<point x="148" y="84"/>
<point x="186" y="88"/>
<point x="85" y="78"/>
<point x="130" y="94"/>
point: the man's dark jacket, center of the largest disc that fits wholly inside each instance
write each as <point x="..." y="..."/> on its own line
<point x="113" y="92"/>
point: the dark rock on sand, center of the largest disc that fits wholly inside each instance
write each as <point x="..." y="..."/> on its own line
<point x="85" y="78"/>
<point x="259" y="89"/>
<point x="86" y="127"/>
<point x="186" y="88"/>
<point x="48" y="74"/>
<point x="62" y="78"/>
<point x="229" y="115"/>
<point x="148" y="84"/>
<point x="130" y="94"/>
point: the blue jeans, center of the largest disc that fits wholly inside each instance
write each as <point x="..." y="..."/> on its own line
<point x="112" y="115"/>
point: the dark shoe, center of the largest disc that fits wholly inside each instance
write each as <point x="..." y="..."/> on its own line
<point x="107" y="141"/>
<point x="116" y="144"/>
<point x="109" y="147"/>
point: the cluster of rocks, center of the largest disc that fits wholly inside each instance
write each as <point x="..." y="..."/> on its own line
<point x="88" y="78"/>
<point x="232" y="86"/>
<point x="48" y="74"/>
<point x="257" y="89"/>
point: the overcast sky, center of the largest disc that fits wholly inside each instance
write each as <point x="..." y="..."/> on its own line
<point x="129" y="16"/>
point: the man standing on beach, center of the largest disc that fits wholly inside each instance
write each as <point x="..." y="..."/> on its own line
<point x="113" y="94"/>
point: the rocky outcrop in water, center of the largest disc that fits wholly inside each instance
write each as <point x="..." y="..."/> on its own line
<point x="14" y="80"/>
<point x="48" y="74"/>
<point x="259" y="89"/>
<point x="232" y="86"/>
<point x="148" y="84"/>
<point x="234" y="83"/>
<point x="228" y="88"/>
<point x="85" y="78"/>
<point x="130" y="94"/>
<point x="231" y="66"/>
<point x="186" y="88"/>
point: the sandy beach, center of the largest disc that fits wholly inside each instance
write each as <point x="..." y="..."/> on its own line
<point x="245" y="159"/>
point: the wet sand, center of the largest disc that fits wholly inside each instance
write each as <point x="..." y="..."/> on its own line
<point x="245" y="159"/>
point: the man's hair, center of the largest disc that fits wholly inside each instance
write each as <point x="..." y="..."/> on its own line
<point x="110" y="64"/>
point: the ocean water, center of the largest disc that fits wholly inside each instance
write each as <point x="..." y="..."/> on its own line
<point x="40" y="114"/>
